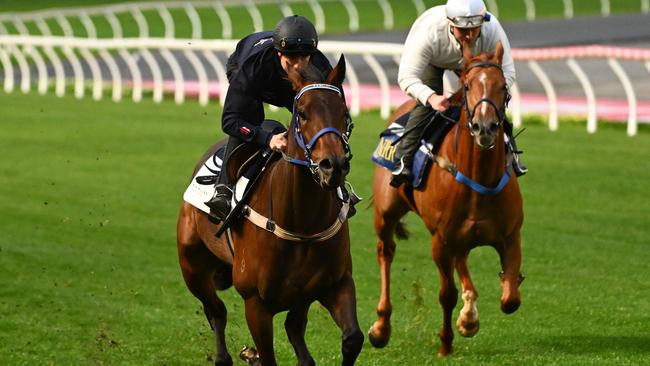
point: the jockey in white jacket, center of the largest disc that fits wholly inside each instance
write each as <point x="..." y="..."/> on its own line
<point x="432" y="46"/>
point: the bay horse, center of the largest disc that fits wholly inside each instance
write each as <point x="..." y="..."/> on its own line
<point x="458" y="216"/>
<point x="294" y="257"/>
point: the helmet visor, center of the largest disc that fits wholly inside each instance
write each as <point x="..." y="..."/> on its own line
<point x="467" y="22"/>
<point x="297" y="45"/>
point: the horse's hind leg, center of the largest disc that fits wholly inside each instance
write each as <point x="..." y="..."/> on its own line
<point x="199" y="266"/>
<point x="468" y="320"/>
<point x="295" y="325"/>
<point x="448" y="295"/>
<point x="342" y="305"/>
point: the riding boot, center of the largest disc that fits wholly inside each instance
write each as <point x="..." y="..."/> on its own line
<point x="517" y="165"/>
<point x="409" y="143"/>
<point x="220" y="203"/>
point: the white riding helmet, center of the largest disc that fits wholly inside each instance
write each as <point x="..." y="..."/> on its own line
<point x="465" y="13"/>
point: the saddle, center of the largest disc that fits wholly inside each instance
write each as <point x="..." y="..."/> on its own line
<point x="430" y="141"/>
<point x="241" y="163"/>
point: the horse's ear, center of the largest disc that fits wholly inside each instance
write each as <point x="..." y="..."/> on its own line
<point x="337" y="75"/>
<point x="498" y="53"/>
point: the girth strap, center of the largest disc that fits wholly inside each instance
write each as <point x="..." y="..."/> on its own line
<point x="444" y="163"/>
<point x="270" y="226"/>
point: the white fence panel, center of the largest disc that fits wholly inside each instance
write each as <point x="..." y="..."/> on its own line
<point x="162" y="66"/>
<point x="191" y="9"/>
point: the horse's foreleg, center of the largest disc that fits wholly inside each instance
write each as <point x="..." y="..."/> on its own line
<point x="260" y="324"/>
<point x="295" y="325"/>
<point x="342" y="305"/>
<point x="379" y="333"/>
<point x="448" y="295"/>
<point x="468" y="320"/>
<point x="511" y="278"/>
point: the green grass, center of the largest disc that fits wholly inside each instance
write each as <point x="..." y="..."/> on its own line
<point x="89" y="195"/>
<point x="370" y="14"/>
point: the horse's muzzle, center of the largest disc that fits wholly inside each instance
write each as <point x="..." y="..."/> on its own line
<point x="332" y="171"/>
<point x="485" y="134"/>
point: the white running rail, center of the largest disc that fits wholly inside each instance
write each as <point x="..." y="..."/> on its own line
<point x="180" y="66"/>
<point x="193" y="10"/>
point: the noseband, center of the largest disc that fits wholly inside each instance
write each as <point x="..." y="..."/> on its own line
<point x="501" y="111"/>
<point x="308" y="162"/>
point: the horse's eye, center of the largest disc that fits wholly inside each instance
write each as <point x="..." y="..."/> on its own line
<point x="302" y="115"/>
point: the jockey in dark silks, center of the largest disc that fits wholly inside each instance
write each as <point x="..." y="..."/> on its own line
<point x="257" y="74"/>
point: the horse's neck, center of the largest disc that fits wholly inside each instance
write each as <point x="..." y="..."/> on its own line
<point x="484" y="167"/>
<point x="299" y="203"/>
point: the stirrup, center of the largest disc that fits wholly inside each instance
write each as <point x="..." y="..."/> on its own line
<point x="519" y="168"/>
<point x="354" y="197"/>
<point x="401" y="175"/>
<point x="517" y="165"/>
<point x="347" y="194"/>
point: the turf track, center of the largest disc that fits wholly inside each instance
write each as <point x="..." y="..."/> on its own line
<point x="89" y="193"/>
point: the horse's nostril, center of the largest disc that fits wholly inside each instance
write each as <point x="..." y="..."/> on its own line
<point x="325" y="165"/>
<point x="476" y="127"/>
<point x="493" y="127"/>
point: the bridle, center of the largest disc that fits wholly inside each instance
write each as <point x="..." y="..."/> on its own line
<point x="501" y="111"/>
<point x="267" y="223"/>
<point x="308" y="162"/>
<point x="448" y="165"/>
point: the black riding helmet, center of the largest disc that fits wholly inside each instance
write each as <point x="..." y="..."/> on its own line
<point x="295" y="34"/>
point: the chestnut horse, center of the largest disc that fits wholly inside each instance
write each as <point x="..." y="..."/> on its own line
<point x="300" y="256"/>
<point x="459" y="217"/>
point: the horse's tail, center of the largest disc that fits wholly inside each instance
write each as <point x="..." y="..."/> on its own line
<point x="400" y="231"/>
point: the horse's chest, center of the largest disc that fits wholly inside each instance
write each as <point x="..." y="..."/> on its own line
<point x="284" y="278"/>
<point x="475" y="231"/>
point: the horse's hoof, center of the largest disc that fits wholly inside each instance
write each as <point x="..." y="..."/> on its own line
<point x="509" y="307"/>
<point x="444" y="351"/>
<point x="224" y="362"/>
<point x="378" y="340"/>
<point x="250" y="355"/>
<point x="467" y="329"/>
